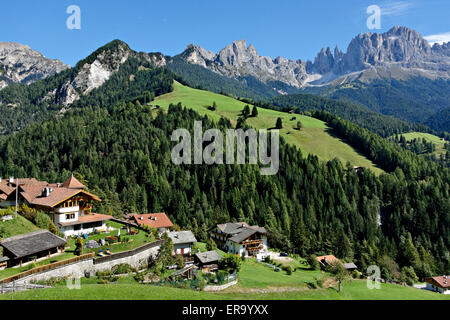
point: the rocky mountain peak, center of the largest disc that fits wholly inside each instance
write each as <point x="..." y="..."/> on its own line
<point x="239" y="60"/>
<point x="94" y="71"/>
<point x="20" y="64"/>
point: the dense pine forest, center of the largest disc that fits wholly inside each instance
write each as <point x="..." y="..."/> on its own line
<point x="414" y="100"/>
<point x="136" y="80"/>
<point x="399" y="221"/>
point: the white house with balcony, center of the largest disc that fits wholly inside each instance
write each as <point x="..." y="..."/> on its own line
<point x="240" y="238"/>
<point x="68" y="204"/>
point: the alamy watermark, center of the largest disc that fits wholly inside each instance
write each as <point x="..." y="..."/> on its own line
<point x="373" y="280"/>
<point x="374" y="20"/>
<point x="74" y="20"/>
<point x="213" y="153"/>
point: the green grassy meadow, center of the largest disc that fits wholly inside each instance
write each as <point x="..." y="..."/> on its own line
<point x="314" y="138"/>
<point x="428" y="137"/>
<point x="256" y="282"/>
<point x="15" y="227"/>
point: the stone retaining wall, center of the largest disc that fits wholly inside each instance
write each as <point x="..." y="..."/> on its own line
<point x="220" y="288"/>
<point x="78" y="269"/>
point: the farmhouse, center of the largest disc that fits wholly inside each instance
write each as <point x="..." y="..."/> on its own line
<point x="439" y="284"/>
<point x="327" y="260"/>
<point x="208" y="261"/>
<point x="68" y="204"/>
<point x="182" y="242"/>
<point x="158" y="221"/>
<point x="240" y="238"/>
<point x="31" y="247"/>
<point x="330" y="260"/>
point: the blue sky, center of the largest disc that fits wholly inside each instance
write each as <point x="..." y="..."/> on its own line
<point x="292" y="29"/>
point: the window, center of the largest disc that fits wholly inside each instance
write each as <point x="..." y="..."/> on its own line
<point x="70" y="216"/>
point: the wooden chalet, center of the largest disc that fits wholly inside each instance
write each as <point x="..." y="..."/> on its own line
<point x="208" y="261"/>
<point x="439" y="284"/>
<point x="68" y="204"/>
<point x="30" y="247"/>
<point x="240" y="238"/>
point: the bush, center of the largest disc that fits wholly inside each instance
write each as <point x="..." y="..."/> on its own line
<point x="179" y="261"/>
<point x="230" y="263"/>
<point x="409" y="276"/>
<point x="122" y="269"/>
<point x="42" y="220"/>
<point x="111" y="239"/>
<point x="104" y="273"/>
<point x="79" y="246"/>
<point x="313" y="263"/>
<point x="221" y="276"/>
<point x="288" y="270"/>
<point x="31" y="266"/>
<point x="356" y="274"/>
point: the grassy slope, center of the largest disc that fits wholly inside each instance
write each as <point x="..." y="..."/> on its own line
<point x="314" y="138"/>
<point x="428" y="137"/>
<point x="15" y="227"/>
<point x="254" y="278"/>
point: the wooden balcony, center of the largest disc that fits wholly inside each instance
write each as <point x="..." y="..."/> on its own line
<point x="254" y="248"/>
<point x="253" y="242"/>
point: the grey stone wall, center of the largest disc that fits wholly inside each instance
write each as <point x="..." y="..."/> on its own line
<point x="78" y="269"/>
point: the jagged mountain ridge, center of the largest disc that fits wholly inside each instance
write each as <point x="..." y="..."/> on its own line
<point x="400" y="53"/>
<point x="20" y="64"/>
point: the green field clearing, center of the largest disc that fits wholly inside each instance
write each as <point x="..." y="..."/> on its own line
<point x="256" y="282"/>
<point x="428" y="137"/>
<point x="314" y="138"/>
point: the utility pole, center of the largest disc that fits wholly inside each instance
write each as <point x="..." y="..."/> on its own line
<point x="17" y="195"/>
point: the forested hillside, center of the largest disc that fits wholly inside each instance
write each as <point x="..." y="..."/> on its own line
<point x="375" y="122"/>
<point x="201" y="78"/>
<point x="312" y="206"/>
<point x="417" y="100"/>
<point x="136" y="79"/>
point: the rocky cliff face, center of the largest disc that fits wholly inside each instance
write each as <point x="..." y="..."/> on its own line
<point x="92" y="75"/>
<point x="400" y="52"/>
<point x="239" y="60"/>
<point x="20" y="64"/>
<point x="397" y="53"/>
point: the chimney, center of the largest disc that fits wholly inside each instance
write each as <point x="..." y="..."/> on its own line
<point x="47" y="191"/>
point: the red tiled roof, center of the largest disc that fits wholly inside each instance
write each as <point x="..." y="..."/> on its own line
<point x="154" y="220"/>
<point x="73" y="183"/>
<point x="328" y="259"/>
<point x="443" y="281"/>
<point x="32" y="192"/>
<point x="4" y="188"/>
<point x="86" y="219"/>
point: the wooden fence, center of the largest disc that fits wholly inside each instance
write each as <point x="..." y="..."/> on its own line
<point x="47" y="267"/>
<point x="14" y="287"/>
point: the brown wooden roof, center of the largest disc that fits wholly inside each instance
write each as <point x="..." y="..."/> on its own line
<point x="87" y="219"/>
<point x="74" y="183"/>
<point x="154" y="220"/>
<point x="31" y="243"/>
<point x="443" y="281"/>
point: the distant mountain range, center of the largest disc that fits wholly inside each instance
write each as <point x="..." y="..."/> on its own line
<point x="401" y="53"/>
<point x="396" y="73"/>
